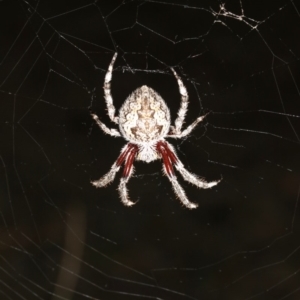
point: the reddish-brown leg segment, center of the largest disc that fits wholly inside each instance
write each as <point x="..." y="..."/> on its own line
<point x="129" y="151"/>
<point x="128" y="157"/>
<point x="169" y="159"/>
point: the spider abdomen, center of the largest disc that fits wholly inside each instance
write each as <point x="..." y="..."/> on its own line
<point x="144" y="116"/>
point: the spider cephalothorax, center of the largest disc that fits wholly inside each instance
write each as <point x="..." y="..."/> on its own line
<point x="144" y="121"/>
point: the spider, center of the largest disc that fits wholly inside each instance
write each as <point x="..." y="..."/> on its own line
<point x="144" y="121"/>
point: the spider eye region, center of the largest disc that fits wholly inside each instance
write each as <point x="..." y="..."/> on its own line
<point x="144" y="116"/>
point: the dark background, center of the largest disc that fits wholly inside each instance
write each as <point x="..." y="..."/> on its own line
<point x="63" y="239"/>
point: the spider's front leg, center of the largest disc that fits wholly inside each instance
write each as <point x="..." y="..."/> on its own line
<point x="127" y="172"/>
<point x="188" y="176"/>
<point x="127" y="156"/>
<point x="169" y="158"/>
<point x="110" y="176"/>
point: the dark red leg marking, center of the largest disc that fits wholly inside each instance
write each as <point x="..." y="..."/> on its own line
<point x="128" y="155"/>
<point x="168" y="156"/>
<point x="129" y="161"/>
<point x="124" y="155"/>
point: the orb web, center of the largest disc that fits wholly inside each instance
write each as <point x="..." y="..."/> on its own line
<point x="62" y="239"/>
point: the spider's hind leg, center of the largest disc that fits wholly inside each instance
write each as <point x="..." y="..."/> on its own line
<point x="183" y="105"/>
<point x="107" y="92"/>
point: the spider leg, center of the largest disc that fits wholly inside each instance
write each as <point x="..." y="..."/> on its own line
<point x="110" y="176"/>
<point x="193" y="178"/>
<point x="188" y="176"/>
<point x="169" y="158"/>
<point x="110" y="131"/>
<point x="127" y="172"/>
<point x="176" y="130"/>
<point x="188" y="130"/>
<point x="181" y="193"/>
<point x="107" y="178"/>
<point x="107" y="93"/>
<point x="183" y="105"/>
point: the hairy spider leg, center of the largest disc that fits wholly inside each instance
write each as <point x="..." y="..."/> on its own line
<point x="188" y="130"/>
<point x="110" y="176"/>
<point x="127" y="172"/>
<point x="183" y="104"/>
<point x="107" y="93"/>
<point x="170" y="158"/>
<point x="175" y="131"/>
<point x="105" y="129"/>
